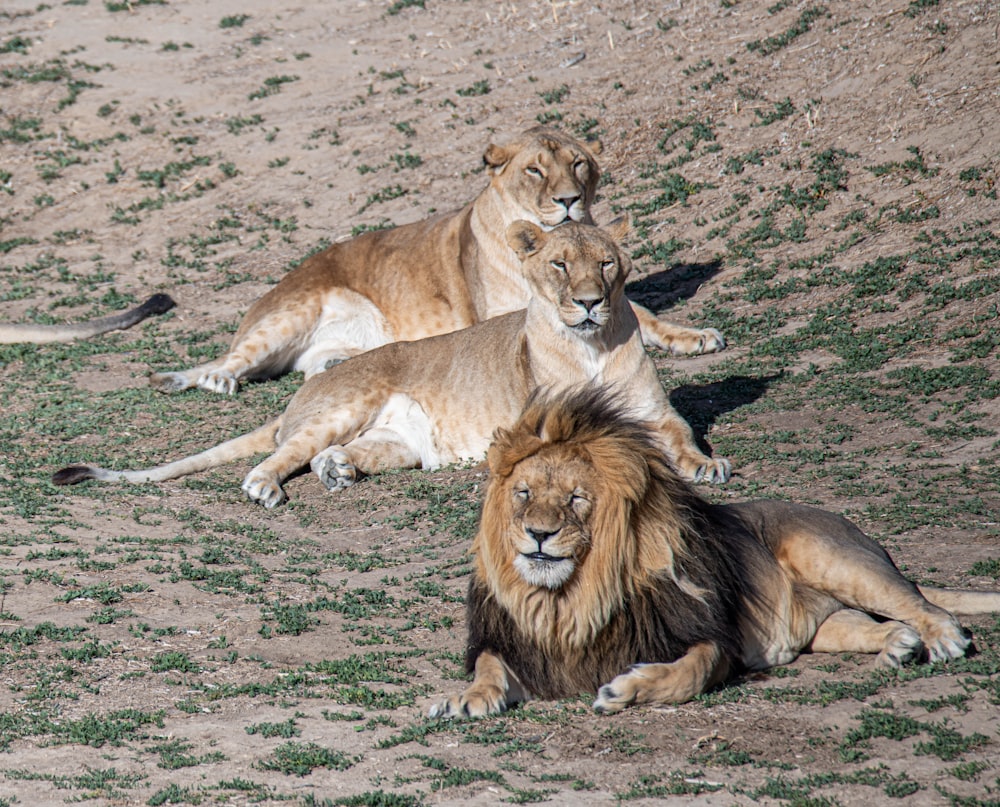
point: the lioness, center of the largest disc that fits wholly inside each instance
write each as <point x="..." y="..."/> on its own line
<point x="421" y="279"/>
<point x="438" y="400"/>
<point x="598" y="570"/>
<point x="12" y="333"/>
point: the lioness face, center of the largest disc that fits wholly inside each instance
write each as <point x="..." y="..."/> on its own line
<point x="549" y="177"/>
<point x="577" y="268"/>
<point x="553" y="498"/>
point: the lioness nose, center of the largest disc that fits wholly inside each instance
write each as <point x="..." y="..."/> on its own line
<point x="566" y="201"/>
<point x="589" y="303"/>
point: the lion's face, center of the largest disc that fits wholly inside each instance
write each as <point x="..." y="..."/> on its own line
<point x="578" y="269"/>
<point x="544" y="177"/>
<point x="552" y="499"/>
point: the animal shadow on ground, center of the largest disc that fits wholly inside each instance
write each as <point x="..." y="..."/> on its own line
<point x="702" y="404"/>
<point x="663" y="290"/>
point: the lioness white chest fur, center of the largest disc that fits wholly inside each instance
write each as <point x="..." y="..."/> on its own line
<point x="438" y="400"/>
<point x="422" y="279"/>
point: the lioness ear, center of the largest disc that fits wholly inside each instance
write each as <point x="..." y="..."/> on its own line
<point x="595" y="147"/>
<point x="496" y="157"/>
<point x="619" y="228"/>
<point x="525" y="238"/>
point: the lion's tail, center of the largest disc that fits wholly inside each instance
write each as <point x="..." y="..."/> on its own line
<point x="42" y="334"/>
<point x="963" y="602"/>
<point x="262" y="439"/>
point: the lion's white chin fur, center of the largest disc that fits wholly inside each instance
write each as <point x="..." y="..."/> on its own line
<point x="548" y="572"/>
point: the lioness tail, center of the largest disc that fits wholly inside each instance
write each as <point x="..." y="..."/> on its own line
<point x="246" y="445"/>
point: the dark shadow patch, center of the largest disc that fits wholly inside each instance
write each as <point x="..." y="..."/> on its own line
<point x="665" y="289"/>
<point x="702" y="404"/>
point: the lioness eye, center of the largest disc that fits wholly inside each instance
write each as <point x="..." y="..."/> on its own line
<point x="606" y="265"/>
<point x="533" y="171"/>
<point x="521" y="494"/>
<point x="560" y="265"/>
<point x="578" y="166"/>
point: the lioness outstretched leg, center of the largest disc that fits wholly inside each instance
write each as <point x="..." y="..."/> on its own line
<point x="269" y="347"/>
<point x="493" y="689"/>
<point x="676" y="339"/>
<point x="676" y="682"/>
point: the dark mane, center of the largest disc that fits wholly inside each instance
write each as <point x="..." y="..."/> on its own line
<point x="696" y="591"/>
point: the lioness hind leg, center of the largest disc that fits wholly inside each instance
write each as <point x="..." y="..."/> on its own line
<point x="378" y="449"/>
<point x="851" y="631"/>
<point x="493" y="690"/>
<point x="674" y="682"/>
<point x="676" y="339"/>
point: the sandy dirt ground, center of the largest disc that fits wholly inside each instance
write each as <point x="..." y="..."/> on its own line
<point x="818" y="181"/>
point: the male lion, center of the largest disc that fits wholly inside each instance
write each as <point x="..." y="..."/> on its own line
<point x="418" y="280"/>
<point x="438" y="400"/>
<point x="12" y="333"/>
<point x="598" y="570"/>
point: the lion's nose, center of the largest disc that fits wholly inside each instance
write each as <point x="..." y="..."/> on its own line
<point x="540" y="536"/>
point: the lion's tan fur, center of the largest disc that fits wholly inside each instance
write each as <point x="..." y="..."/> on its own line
<point x="438" y="400"/>
<point x="596" y="568"/>
<point x="421" y="279"/>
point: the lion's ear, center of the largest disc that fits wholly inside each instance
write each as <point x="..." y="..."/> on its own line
<point x="497" y="454"/>
<point x="595" y="147"/>
<point x="495" y="158"/>
<point x="619" y="229"/>
<point x="525" y="238"/>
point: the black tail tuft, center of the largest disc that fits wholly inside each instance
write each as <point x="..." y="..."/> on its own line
<point x="72" y="475"/>
<point x="157" y="304"/>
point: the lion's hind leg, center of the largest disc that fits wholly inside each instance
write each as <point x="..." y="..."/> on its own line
<point x="850" y="631"/>
<point x="494" y="689"/>
<point x="674" y="682"/>
<point x="829" y="554"/>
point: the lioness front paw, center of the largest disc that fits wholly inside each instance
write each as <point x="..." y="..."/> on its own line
<point x="263" y="489"/>
<point x="708" y="470"/>
<point x="225" y="383"/>
<point x="711" y="340"/>
<point x="334" y="468"/>
<point x="470" y="704"/>
<point x="169" y="382"/>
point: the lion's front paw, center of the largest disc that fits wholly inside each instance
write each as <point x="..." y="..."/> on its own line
<point x="334" y="468"/>
<point x="263" y="489"/>
<point x="612" y="699"/>
<point x="221" y="381"/>
<point x="470" y="704"/>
